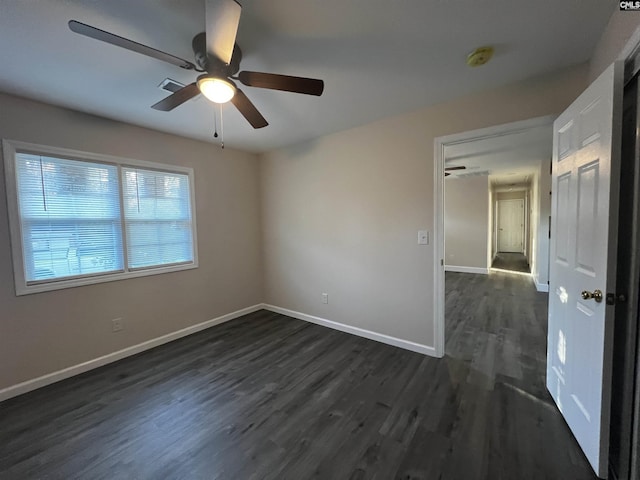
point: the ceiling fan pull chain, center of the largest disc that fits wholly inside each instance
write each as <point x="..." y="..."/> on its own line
<point x="215" y="124"/>
<point x="221" y="129"/>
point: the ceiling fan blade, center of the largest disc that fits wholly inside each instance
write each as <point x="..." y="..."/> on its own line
<point x="222" y="17"/>
<point x="455" y="168"/>
<point x="446" y="174"/>
<point x="97" y="34"/>
<point x="308" y="86"/>
<point x="248" y="110"/>
<point x="178" y="98"/>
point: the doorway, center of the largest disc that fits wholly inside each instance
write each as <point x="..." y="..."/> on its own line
<point x="489" y="157"/>
<point x="510" y="232"/>
<point x="624" y="445"/>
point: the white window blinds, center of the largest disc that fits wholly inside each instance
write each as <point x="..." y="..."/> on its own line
<point x="70" y="217"/>
<point x="79" y="218"/>
<point x="157" y="217"/>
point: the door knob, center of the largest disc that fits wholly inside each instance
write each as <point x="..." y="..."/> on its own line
<point x="596" y="295"/>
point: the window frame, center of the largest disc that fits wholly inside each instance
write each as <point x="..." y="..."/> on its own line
<point x="13" y="147"/>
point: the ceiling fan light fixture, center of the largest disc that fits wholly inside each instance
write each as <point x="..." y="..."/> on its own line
<point x="218" y="90"/>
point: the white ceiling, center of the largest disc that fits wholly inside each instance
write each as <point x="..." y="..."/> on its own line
<point x="509" y="159"/>
<point x="377" y="58"/>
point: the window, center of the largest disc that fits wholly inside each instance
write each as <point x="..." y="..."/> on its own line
<point x="157" y="214"/>
<point x="78" y="218"/>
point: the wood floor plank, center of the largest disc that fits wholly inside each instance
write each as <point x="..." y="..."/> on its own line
<point x="269" y="397"/>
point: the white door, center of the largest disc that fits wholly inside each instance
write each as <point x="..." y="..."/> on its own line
<point x="510" y="225"/>
<point x="586" y="141"/>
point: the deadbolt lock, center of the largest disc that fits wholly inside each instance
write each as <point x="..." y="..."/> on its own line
<point x="596" y="295"/>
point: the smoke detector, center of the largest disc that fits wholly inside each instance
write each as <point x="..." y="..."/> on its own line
<point x="479" y="56"/>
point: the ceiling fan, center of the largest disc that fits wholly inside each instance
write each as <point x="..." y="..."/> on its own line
<point x="446" y="169"/>
<point x="217" y="58"/>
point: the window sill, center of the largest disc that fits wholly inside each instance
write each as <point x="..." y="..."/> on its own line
<point x="22" y="289"/>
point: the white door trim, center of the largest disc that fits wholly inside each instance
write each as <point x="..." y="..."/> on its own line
<point x="630" y="50"/>
<point x="439" y="144"/>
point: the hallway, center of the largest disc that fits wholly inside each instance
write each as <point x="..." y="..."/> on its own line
<point x="516" y="262"/>
<point x="496" y="348"/>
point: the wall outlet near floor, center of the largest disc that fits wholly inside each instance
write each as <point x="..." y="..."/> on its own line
<point x="117" y="324"/>
<point x="325" y="298"/>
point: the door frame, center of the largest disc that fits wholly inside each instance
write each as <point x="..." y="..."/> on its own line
<point x="494" y="209"/>
<point x="440" y="143"/>
<point x="630" y="55"/>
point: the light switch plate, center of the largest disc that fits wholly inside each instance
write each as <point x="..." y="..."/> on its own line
<point x="423" y="237"/>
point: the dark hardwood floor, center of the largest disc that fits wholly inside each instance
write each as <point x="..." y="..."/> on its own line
<point x="269" y="397"/>
<point x="516" y="262"/>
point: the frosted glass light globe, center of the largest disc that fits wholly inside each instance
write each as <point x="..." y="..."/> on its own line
<point x="216" y="89"/>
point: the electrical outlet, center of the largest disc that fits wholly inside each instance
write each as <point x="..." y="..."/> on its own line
<point x="325" y="298"/>
<point x="117" y="325"/>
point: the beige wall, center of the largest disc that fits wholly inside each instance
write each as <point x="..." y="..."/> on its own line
<point x="515" y="195"/>
<point x="541" y="266"/>
<point x="466" y="222"/>
<point x="340" y="214"/>
<point x="534" y="196"/>
<point x="619" y="30"/>
<point x="45" y="332"/>
<point x="529" y="226"/>
<point x="492" y="226"/>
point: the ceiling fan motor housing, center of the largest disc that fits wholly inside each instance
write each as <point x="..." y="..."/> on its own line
<point x="211" y="64"/>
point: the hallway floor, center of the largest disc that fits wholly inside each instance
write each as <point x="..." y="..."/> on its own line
<point x="516" y="262"/>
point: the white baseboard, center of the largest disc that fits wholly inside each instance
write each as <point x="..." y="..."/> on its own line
<point x="455" y="268"/>
<point x="50" y="378"/>
<point x="542" y="287"/>
<point x="379" y="337"/>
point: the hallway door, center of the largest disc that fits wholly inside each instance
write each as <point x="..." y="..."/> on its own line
<point x="511" y="226"/>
